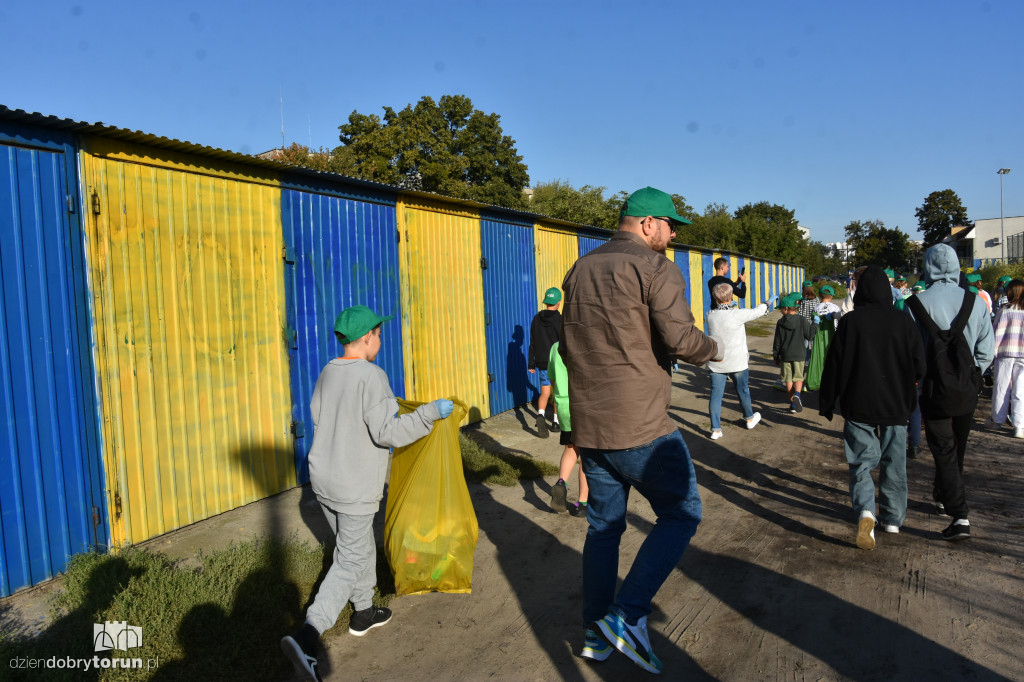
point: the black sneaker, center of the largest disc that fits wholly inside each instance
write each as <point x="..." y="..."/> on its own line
<point x="558" y="494"/>
<point x="363" y="621"/>
<point x="913" y="452"/>
<point x="958" y="530"/>
<point x="579" y="510"/>
<point x="301" y="651"/>
<point x="542" y="426"/>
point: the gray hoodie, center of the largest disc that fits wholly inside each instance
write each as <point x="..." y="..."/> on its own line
<point x="942" y="300"/>
<point x="354" y="425"/>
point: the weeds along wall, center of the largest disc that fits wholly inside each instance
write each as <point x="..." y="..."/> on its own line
<point x="168" y="309"/>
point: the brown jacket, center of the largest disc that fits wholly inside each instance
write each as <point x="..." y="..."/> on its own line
<point x="624" y="319"/>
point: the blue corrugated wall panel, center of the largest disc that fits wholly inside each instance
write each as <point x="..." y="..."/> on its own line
<point x="339" y="252"/>
<point x="683" y="261"/>
<point x="510" y="287"/>
<point x="51" y="479"/>
<point x="707" y="262"/>
<point x="588" y="244"/>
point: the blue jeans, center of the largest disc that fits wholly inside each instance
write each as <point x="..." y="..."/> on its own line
<point x="914" y="430"/>
<point x="864" y="452"/>
<point x="663" y="473"/>
<point x="740" y="381"/>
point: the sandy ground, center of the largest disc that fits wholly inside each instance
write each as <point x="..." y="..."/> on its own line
<point x="771" y="588"/>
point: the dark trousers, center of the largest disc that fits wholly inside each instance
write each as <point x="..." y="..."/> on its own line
<point x="947" y="439"/>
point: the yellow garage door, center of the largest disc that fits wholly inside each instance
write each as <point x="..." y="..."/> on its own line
<point x="445" y="346"/>
<point x="188" y="295"/>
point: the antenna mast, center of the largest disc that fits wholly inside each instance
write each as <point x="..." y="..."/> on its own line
<point x="282" y="119"/>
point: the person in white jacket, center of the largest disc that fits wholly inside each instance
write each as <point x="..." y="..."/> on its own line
<point x="726" y="323"/>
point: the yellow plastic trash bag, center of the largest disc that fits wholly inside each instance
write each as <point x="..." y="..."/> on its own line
<point x="430" y="527"/>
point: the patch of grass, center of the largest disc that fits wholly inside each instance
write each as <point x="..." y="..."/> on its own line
<point x="500" y="468"/>
<point x="761" y="327"/>
<point x="227" y="615"/>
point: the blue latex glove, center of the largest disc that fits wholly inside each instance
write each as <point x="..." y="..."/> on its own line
<point x="444" y="407"/>
<point x="817" y="320"/>
<point x="773" y="302"/>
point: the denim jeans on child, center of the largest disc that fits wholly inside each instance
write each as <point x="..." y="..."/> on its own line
<point x="864" y="451"/>
<point x="740" y="381"/>
<point x="662" y="472"/>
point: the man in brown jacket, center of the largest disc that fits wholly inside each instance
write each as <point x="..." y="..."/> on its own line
<point x="625" y="321"/>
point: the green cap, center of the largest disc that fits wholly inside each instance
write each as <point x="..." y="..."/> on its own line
<point x="552" y="296"/>
<point x="651" y="202"/>
<point x="1004" y="279"/>
<point x="919" y="285"/>
<point x="828" y="290"/>
<point x="901" y="278"/>
<point x="790" y="300"/>
<point x="974" y="277"/>
<point x="973" y="290"/>
<point x="889" y="273"/>
<point x="808" y="283"/>
<point x="354" y="323"/>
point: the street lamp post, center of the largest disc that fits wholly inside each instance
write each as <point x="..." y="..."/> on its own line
<point x="1002" y="232"/>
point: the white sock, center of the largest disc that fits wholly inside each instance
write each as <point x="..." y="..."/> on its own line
<point x="540" y="412"/>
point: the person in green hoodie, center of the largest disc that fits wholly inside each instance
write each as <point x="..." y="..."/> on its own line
<point x="559" y="376"/>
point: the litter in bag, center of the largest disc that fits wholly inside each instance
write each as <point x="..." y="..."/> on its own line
<point x="430" y="526"/>
<point x="822" y="341"/>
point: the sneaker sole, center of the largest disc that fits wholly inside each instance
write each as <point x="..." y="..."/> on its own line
<point x="799" y="406"/>
<point x="626" y="647"/>
<point x="865" y="533"/>
<point x="360" y="633"/>
<point x="303" y="670"/>
<point x="558" y="499"/>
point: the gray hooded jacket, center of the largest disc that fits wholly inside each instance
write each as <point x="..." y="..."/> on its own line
<point x="942" y="300"/>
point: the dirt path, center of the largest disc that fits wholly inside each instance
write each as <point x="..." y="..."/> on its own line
<point x="772" y="586"/>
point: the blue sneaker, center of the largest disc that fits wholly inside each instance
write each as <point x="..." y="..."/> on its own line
<point x="632" y="640"/>
<point x="594" y="646"/>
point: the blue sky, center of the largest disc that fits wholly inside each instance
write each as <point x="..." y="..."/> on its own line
<point x="840" y="111"/>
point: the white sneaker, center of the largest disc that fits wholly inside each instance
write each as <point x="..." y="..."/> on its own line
<point x="1018" y="433"/>
<point x="866" y="530"/>
<point x="752" y="422"/>
<point x="889" y="528"/>
<point x="716" y="434"/>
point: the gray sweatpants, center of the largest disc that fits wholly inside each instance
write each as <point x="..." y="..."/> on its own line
<point x="353" y="573"/>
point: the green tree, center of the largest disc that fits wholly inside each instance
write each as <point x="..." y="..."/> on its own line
<point x="769" y="231"/>
<point x="876" y="244"/>
<point x="447" y="147"/>
<point x="940" y="213"/>
<point x="714" y="229"/>
<point x="586" y="205"/>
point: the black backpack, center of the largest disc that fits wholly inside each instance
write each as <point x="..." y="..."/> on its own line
<point x="952" y="380"/>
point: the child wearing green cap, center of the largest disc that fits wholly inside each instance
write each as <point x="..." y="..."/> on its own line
<point x="792" y="332"/>
<point x="545" y="331"/>
<point x="354" y="427"/>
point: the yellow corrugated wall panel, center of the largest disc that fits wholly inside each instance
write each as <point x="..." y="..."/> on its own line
<point x="557" y="250"/>
<point x="444" y="340"/>
<point x="696" y="288"/>
<point x="670" y="254"/>
<point x="188" y="292"/>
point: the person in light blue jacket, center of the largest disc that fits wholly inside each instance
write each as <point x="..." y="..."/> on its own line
<point x="947" y="436"/>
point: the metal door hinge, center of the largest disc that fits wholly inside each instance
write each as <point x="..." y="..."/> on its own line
<point x="117" y="503"/>
<point x="288" y="254"/>
<point x="490" y="378"/>
<point x="95" y="516"/>
<point x="71" y="202"/>
<point x="483" y="263"/>
<point x="298" y="429"/>
<point x="95" y="203"/>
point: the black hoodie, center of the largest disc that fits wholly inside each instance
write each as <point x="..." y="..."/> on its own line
<point x="545" y="331"/>
<point x="875" y="360"/>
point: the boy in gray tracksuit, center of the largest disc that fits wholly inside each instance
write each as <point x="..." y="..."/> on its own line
<point x="355" y="425"/>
